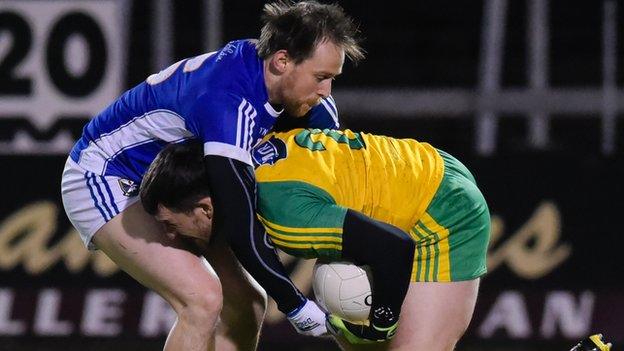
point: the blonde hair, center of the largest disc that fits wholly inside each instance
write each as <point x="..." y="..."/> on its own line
<point x="299" y="27"/>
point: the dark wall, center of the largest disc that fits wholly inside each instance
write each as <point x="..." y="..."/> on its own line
<point x="555" y="271"/>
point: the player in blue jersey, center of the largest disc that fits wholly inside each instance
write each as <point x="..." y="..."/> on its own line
<point x="228" y="100"/>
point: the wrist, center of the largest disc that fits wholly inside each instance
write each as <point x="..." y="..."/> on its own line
<point x="308" y="319"/>
<point x="297" y="309"/>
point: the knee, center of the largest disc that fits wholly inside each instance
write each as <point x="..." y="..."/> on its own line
<point x="199" y="307"/>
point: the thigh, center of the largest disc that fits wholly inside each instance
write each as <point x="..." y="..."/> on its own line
<point x="139" y="246"/>
<point x="435" y="315"/>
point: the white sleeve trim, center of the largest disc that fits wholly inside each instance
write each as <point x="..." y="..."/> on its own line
<point x="227" y="150"/>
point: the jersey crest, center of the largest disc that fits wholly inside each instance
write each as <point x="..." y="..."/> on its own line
<point x="128" y="187"/>
<point x="269" y="152"/>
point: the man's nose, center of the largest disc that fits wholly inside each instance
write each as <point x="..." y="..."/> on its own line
<point x="324" y="89"/>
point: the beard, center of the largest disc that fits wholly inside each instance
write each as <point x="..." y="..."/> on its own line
<point x="300" y="109"/>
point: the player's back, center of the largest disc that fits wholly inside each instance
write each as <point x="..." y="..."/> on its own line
<point x="403" y="176"/>
<point x="125" y="137"/>
<point x="389" y="179"/>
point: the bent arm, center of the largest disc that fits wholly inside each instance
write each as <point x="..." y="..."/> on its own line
<point x="389" y="252"/>
<point x="233" y="189"/>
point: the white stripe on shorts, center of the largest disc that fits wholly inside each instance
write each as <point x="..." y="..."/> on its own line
<point x="91" y="200"/>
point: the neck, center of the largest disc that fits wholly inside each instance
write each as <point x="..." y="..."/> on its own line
<point x="272" y="82"/>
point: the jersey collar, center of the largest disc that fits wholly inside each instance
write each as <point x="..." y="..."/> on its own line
<point x="270" y="110"/>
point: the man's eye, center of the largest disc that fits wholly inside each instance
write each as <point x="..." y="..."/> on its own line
<point x="322" y="78"/>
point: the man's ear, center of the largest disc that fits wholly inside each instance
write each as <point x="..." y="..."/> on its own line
<point x="279" y="62"/>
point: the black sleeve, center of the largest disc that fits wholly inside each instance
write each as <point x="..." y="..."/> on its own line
<point x="233" y="188"/>
<point x="389" y="252"/>
<point x="286" y="122"/>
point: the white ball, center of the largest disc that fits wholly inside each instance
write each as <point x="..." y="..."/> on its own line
<point x="343" y="289"/>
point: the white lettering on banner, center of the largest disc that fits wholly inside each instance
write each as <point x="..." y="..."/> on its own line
<point x="157" y="316"/>
<point x="7" y="325"/>
<point x="509" y="313"/>
<point x="560" y="314"/>
<point x="72" y="63"/>
<point x="47" y="315"/>
<point x="102" y="312"/>
<point x="560" y="310"/>
<point x="564" y="314"/>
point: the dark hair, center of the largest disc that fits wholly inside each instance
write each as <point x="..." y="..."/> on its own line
<point x="299" y="27"/>
<point x="176" y="178"/>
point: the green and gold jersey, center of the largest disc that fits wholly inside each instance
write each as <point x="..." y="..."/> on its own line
<point x="308" y="178"/>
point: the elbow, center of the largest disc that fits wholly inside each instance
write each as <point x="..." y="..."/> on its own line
<point x="409" y="243"/>
<point x="405" y="245"/>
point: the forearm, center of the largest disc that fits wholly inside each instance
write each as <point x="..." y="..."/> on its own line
<point x="259" y="258"/>
<point x="233" y="191"/>
<point x="389" y="252"/>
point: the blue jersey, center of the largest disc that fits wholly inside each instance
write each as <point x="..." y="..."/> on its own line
<point x="219" y="98"/>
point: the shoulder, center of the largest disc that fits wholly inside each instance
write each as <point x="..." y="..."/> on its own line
<point x="239" y="56"/>
<point x="235" y="67"/>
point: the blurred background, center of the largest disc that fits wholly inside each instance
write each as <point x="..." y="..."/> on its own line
<point x="527" y="93"/>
